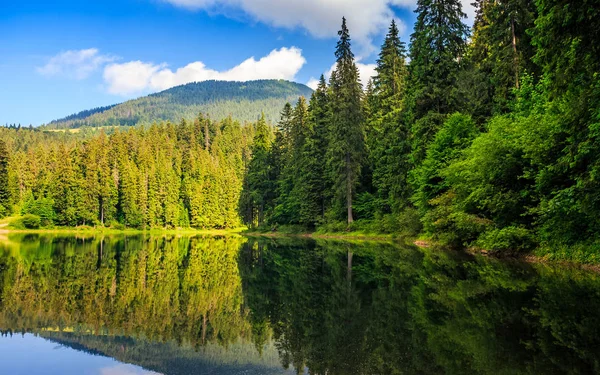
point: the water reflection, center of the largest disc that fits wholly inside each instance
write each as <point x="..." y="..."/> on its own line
<point x="185" y="305"/>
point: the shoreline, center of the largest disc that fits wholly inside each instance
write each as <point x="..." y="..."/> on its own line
<point x="96" y="231"/>
<point x="243" y="231"/>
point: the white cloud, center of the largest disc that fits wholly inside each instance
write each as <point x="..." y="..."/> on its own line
<point x="313" y="83"/>
<point x="77" y="64"/>
<point x="366" y="72"/>
<point x="137" y="76"/>
<point x="321" y="18"/>
<point x="366" y="18"/>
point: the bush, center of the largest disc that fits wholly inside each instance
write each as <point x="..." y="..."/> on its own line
<point x="409" y="223"/>
<point x="116" y="225"/>
<point x="333" y="227"/>
<point x="43" y="208"/>
<point x="506" y="240"/>
<point x="30" y="221"/>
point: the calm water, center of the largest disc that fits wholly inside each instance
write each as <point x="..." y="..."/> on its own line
<point x="190" y="305"/>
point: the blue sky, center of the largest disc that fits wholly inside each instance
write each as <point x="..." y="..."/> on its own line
<point x="58" y="57"/>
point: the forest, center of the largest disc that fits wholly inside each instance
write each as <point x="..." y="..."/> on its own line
<point x="482" y="137"/>
<point x="485" y="137"/>
<point x="165" y="175"/>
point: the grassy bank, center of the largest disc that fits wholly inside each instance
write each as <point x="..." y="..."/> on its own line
<point x="11" y="225"/>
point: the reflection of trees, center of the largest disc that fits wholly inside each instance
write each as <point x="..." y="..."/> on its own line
<point x="332" y="307"/>
<point x="161" y="287"/>
<point x="340" y="308"/>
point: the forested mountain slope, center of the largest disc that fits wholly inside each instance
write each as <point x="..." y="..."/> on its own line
<point x="244" y="101"/>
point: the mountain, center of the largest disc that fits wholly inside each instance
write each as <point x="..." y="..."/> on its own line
<point x="244" y="101"/>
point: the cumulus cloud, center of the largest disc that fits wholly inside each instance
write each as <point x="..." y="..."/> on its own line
<point x="137" y="76"/>
<point x="76" y="64"/>
<point x="366" y="18"/>
<point x="313" y="83"/>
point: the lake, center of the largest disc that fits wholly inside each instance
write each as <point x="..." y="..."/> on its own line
<point x="153" y="304"/>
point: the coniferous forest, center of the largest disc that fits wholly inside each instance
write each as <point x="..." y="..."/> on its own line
<point x="471" y="137"/>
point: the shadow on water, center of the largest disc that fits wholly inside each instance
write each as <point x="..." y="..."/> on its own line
<point x="230" y="305"/>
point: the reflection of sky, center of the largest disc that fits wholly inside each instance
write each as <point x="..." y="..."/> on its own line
<point x="31" y="355"/>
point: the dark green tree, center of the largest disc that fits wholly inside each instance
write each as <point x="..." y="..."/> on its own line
<point x="501" y="47"/>
<point x="388" y="132"/>
<point x="259" y="188"/>
<point x="4" y="185"/>
<point x="346" y="135"/>
<point x="437" y="46"/>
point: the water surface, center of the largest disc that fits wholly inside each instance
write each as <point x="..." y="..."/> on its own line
<point x="146" y="304"/>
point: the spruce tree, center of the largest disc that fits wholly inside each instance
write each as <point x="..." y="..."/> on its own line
<point x="316" y="149"/>
<point x="388" y="140"/>
<point x="437" y="46"/>
<point x="259" y="185"/>
<point x="346" y="138"/>
<point x="501" y="46"/>
<point x="4" y="188"/>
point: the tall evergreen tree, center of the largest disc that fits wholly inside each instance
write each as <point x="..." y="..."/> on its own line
<point x="4" y="186"/>
<point x="389" y="143"/>
<point x="501" y="47"/>
<point x="437" y="46"/>
<point x="259" y="186"/>
<point x="346" y="138"/>
<point x="318" y="183"/>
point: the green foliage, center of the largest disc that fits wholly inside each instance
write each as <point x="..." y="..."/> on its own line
<point x="4" y="183"/>
<point x="163" y="176"/>
<point x="387" y="131"/>
<point x="259" y="187"/>
<point x="456" y="134"/>
<point x="437" y="47"/>
<point x="502" y="49"/>
<point x="43" y="207"/>
<point x="346" y="148"/>
<point x="507" y="240"/>
<point x="30" y="221"/>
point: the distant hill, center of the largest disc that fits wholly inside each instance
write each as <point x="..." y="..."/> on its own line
<point x="244" y="101"/>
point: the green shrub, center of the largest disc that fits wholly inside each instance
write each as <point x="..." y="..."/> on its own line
<point x="30" y="221"/>
<point x="507" y="240"/>
<point x="116" y="225"/>
<point x="409" y="223"/>
<point x="333" y="227"/>
<point x="42" y="207"/>
<point x="290" y="229"/>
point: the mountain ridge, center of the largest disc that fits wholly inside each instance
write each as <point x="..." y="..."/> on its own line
<point x="243" y="101"/>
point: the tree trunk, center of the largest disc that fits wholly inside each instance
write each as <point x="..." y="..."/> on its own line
<point x="348" y="189"/>
<point x="206" y="136"/>
<point x="514" y="46"/>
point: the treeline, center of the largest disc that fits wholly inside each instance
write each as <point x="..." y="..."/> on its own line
<point x="485" y="137"/>
<point x="166" y="175"/>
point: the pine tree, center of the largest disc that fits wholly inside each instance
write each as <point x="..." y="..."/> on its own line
<point x="293" y="180"/>
<point x="259" y="187"/>
<point x="319" y="118"/>
<point x="4" y="185"/>
<point x="438" y="44"/>
<point x="346" y="138"/>
<point x="501" y="46"/>
<point x="389" y="144"/>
